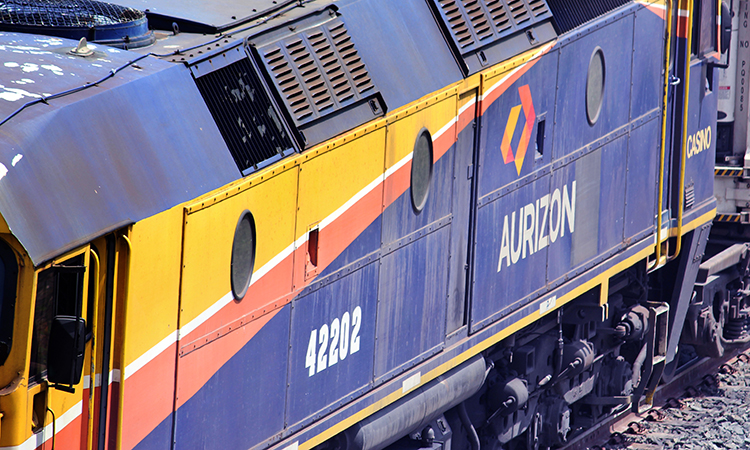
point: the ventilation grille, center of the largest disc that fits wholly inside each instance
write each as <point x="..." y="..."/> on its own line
<point x="689" y="196"/>
<point x="318" y="71"/>
<point x="570" y="14"/>
<point x="245" y="115"/>
<point x="476" y="23"/>
<point x="56" y="13"/>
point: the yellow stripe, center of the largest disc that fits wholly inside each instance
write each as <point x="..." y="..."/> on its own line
<point x="492" y="340"/>
<point x="468" y="354"/>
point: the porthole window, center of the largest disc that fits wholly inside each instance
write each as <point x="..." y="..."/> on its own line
<point x="421" y="170"/>
<point x="243" y="255"/>
<point x="595" y="86"/>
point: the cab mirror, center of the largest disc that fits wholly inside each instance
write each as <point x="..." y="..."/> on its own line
<point x="66" y="349"/>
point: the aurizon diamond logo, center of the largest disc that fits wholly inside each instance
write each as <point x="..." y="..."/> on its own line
<point x="528" y="111"/>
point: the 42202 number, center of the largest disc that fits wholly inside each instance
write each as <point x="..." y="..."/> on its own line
<point x="344" y="341"/>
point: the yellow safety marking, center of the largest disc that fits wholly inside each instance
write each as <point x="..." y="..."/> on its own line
<point x="473" y="351"/>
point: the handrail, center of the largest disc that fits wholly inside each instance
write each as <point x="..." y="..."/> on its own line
<point x="94" y="272"/>
<point x="664" y="114"/>
<point x="683" y="150"/>
<point x="124" y="300"/>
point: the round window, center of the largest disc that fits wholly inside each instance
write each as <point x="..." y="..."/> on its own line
<point x="243" y="255"/>
<point x="421" y="170"/>
<point x="595" y="86"/>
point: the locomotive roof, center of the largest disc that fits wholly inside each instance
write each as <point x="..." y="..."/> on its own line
<point x="77" y="165"/>
<point x="83" y="164"/>
<point x="213" y="16"/>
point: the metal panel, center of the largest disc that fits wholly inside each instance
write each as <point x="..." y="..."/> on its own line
<point x="412" y="303"/>
<point x="243" y="402"/>
<point x="136" y="149"/>
<point x="405" y="51"/>
<point x="599" y="179"/>
<point x="572" y="14"/>
<point x="317" y="71"/>
<point x="642" y="183"/>
<point x="319" y="75"/>
<point x="513" y="238"/>
<point x="701" y="131"/>
<point x="496" y="168"/>
<point x="482" y="30"/>
<point x="333" y="339"/>
<point x="570" y="113"/>
<point x="400" y="220"/>
<point x="647" y="89"/>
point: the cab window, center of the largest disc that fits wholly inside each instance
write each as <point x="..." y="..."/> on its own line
<point x="8" y="279"/>
<point x="704" y="27"/>
<point x="59" y="292"/>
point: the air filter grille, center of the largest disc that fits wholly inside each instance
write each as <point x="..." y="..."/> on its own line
<point x="245" y="115"/>
<point x="570" y="14"/>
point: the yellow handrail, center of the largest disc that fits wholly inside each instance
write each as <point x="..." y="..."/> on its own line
<point x="126" y="281"/>
<point x="94" y="258"/>
<point x="683" y="152"/>
<point x="663" y="133"/>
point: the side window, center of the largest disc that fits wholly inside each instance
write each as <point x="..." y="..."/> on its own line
<point x="8" y="280"/>
<point x="59" y="292"/>
<point x="704" y="27"/>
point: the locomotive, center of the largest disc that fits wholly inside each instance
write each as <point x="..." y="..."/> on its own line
<point x="362" y="224"/>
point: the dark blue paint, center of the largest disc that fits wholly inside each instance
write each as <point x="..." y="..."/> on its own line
<point x="412" y="302"/>
<point x="612" y="195"/>
<point x="641" y="190"/>
<point x="574" y="130"/>
<point x="494" y="172"/>
<point x="702" y="115"/>
<point x="461" y="209"/>
<point x="648" y="62"/>
<point x="243" y="402"/>
<point x="400" y="218"/>
<point x="367" y="242"/>
<point x="310" y="394"/>
<point x="160" y="438"/>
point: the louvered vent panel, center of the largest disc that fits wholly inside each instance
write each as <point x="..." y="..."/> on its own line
<point x="244" y="114"/>
<point x="519" y="11"/>
<point x="479" y="20"/>
<point x="457" y="23"/>
<point x="477" y="23"/>
<point x="570" y="14"/>
<point x="499" y="14"/>
<point x="317" y="71"/>
<point x="538" y="7"/>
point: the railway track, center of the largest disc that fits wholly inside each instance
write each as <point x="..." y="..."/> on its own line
<point x="631" y="430"/>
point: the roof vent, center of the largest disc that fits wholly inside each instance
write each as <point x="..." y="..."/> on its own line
<point x="569" y="15"/>
<point x="478" y="26"/>
<point x="99" y="22"/>
<point x="319" y="73"/>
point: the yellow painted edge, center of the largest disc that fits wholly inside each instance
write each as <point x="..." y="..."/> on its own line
<point x="422" y="103"/>
<point x="513" y="63"/>
<point x="601" y="279"/>
<point x="480" y="347"/>
<point x="695" y="223"/>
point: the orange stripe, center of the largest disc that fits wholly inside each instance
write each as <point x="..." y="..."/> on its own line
<point x="196" y="368"/>
<point x="148" y="397"/>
